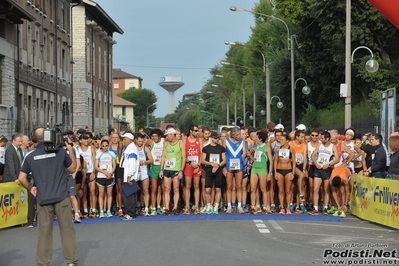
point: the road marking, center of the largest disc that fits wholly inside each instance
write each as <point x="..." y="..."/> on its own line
<point x="262" y="226"/>
<point x="344" y="226"/>
<point x="276" y="226"/>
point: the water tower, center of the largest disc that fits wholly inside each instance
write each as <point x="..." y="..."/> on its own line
<point x="171" y="84"/>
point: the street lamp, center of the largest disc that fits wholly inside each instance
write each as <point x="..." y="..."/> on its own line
<point x="148" y="120"/>
<point x="305" y="90"/>
<point x="262" y="112"/>
<point x="203" y="111"/>
<point x="241" y="122"/>
<point x="290" y="47"/>
<point x="266" y="69"/>
<point x="279" y="103"/>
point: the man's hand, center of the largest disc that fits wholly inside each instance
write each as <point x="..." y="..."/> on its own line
<point x="33" y="191"/>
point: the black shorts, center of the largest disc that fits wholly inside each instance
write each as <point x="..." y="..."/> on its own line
<point x="358" y="170"/>
<point x="284" y="172"/>
<point x="88" y="180"/>
<point x="211" y="178"/>
<point x="104" y="182"/>
<point x="1" y="169"/>
<point x="311" y="170"/>
<point x="323" y="174"/>
<point x="119" y="172"/>
<point x="79" y="177"/>
<point x="170" y="174"/>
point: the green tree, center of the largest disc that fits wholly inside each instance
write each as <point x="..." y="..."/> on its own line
<point x="143" y="98"/>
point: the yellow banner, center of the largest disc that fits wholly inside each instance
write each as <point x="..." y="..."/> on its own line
<point x="13" y="204"/>
<point x="376" y="200"/>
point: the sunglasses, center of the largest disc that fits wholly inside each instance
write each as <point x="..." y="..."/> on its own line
<point x="314" y="135"/>
<point x="195" y="130"/>
<point x="105" y="146"/>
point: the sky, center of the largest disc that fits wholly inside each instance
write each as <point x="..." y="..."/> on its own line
<point x="175" y="38"/>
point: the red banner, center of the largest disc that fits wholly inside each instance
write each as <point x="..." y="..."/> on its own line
<point x="388" y="8"/>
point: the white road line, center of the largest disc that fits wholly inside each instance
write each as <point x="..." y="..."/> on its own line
<point x="276" y="226"/>
<point x="258" y="221"/>
<point x="264" y="231"/>
<point x="261" y="225"/>
<point x="344" y="226"/>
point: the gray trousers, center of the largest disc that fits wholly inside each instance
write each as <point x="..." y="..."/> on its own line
<point x="45" y="218"/>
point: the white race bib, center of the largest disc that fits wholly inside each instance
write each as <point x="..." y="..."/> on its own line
<point x="193" y="159"/>
<point x="258" y="156"/>
<point x="214" y="158"/>
<point x="323" y="158"/>
<point x="284" y="153"/>
<point x="170" y="163"/>
<point x="299" y="158"/>
<point x="235" y="164"/>
<point x="157" y="157"/>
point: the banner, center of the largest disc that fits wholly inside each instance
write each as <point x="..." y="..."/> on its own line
<point x="13" y="204"/>
<point x="375" y="200"/>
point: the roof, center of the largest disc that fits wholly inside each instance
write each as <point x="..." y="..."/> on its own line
<point x="102" y="16"/>
<point x="118" y="101"/>
<point x="117" y="73"/>
<point x="13" y="12"/>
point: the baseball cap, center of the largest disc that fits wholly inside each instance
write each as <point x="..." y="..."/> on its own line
<point x="279" y="126"/>
<point x="170" y="131"/>
<point x="81" y="131"/>
<point x="128" y="135"/>
<point x="301" y="127"/>
<point x="83" y="136"/>
<point x="215" y="135"/>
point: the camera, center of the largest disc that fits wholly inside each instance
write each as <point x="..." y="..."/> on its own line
<point x="53" y="138"/>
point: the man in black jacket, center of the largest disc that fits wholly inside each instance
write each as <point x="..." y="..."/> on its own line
<point x="379" y="161"/>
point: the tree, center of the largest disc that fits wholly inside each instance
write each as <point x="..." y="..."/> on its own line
<point x="143" y="98"/>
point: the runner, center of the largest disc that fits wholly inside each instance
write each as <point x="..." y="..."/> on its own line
<point x="116" y="147"/>
<point x="340" y="189"/>
<point x="311" y="146"/>
<point x="205" y="142"/>
<point x="156" y="187"/>
<point x="301" y="173"/>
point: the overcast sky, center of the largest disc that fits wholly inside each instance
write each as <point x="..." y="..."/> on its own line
<point x="178" y="38"/>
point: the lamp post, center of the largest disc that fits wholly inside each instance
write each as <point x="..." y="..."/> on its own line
<point x="203" y="111"/>
<point x="241" y="122"/>
<point x="305" y="90"/>
<point x="266" y="70"/>
<point x="251" y="117"/>
<point x="290" y="47"/>
<point x="148" y="119"/>
<point x="262" y="112"/>
<point x="279" y="103"/>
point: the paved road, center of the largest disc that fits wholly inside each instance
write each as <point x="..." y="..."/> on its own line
<point x="204" y="240"/>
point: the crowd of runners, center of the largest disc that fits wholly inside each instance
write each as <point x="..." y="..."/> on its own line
<point x="237" y="170"/>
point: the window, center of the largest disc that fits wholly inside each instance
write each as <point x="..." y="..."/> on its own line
<point x="131" y="85"/>
<point x="124" y="110"/>
<point x="116" y="85"/>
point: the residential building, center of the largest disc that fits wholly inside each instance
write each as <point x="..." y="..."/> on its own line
<point x="124" y="111"/>
<point x="123" y="81"/>
<point x="92" y="41"/>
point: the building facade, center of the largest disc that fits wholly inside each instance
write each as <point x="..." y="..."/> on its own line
<point x="124" y="111"/>
<point x="92" y="41"/>
<point x="123" y="81"/>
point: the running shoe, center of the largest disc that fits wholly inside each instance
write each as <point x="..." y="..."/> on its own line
<point x="146" y="213"/>
<point x="258" y="208"/>
<point x="229" y="210"/>
<point x="175" y="211"/>
<point x="332" y="210"/>
<point x="314" y="212"/>
<point x="215" y="210"/>
<point x="298" y="211"/>
<point x="302" y="207"/>
<point x="159" y="212"/>
<point x="186" y="211"/>
<point x="282" y="211"/>
<point x="264" y="210"/>
<point x="120" y="213"/>
<point x="197" y="211"/>
<point x="292" y="208"/>
<point x="85" y="215"/>
<point x="208" y="210"/>
<point x="253" y="210"/>
<point x="240" y="210"/>
<point x="301" y="198"/>
<point x="76" y="219"/>
<point x="203" y="210"/>
<point x="288" y="211"/>
<point x="153" y="212"/>
<point x="325" y="212"/>
<point x="273" y="208"/>
<point x="268" y="209"/>
<point x="337" y="213"/>
<point x="342" y="214"/>
<point x="166" y="211"/>
<point x="109" y="214"/>
<point x="127" y="217"/>
<point x="80" y="215"/>
<point x="101" y="214"/>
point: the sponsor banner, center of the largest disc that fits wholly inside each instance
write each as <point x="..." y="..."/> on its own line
<point x="375" y="200"/>
<point x="13" y="204"/>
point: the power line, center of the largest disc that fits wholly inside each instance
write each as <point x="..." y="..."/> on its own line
<point x="166" y="67"/>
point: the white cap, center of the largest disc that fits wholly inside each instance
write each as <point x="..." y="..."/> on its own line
<point x="301" y="127"/>
<point x="279" y="126"/>
<point x="170" y="131"/>
<point x="128" y="135"/>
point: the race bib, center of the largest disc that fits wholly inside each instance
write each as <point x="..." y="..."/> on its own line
<point x="258" y="156"/>
<point x="106" y="165"/>
<point x="299" y="158"/>
<point x="157" y="157"/>
<point x="170" y="163"/>
<point x="214" y="158"/>
<point x="323" y="158"/>
<point x="284" y="153"/>
<point x="193" y="159"/>
<point x="235" y="164"/>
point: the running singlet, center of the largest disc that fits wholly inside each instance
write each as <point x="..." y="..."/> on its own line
<point x="358" y="159"/>
<point x="325" y="154"/>
<point x="173" y="157"/>
<point x="284" y="153"/>
<point x="115" y="152"/>
<point x="142" y="157"/>
<point x="274" y="148"/>
<point x="310" y="151"/>
<point x="234" y="155"/>
<point x="105" y="163"/>
<point x="156" y="151"/>
<point x="88" y="157"/>
<point x="260" y="157"/>
<point x="193" y="151"/>
<point x="299" y="152"/>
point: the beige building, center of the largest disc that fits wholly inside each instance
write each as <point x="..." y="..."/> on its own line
<point x="124" y="111"/>
<point x="122" y="81"/>
<point x="92" y="41"/>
